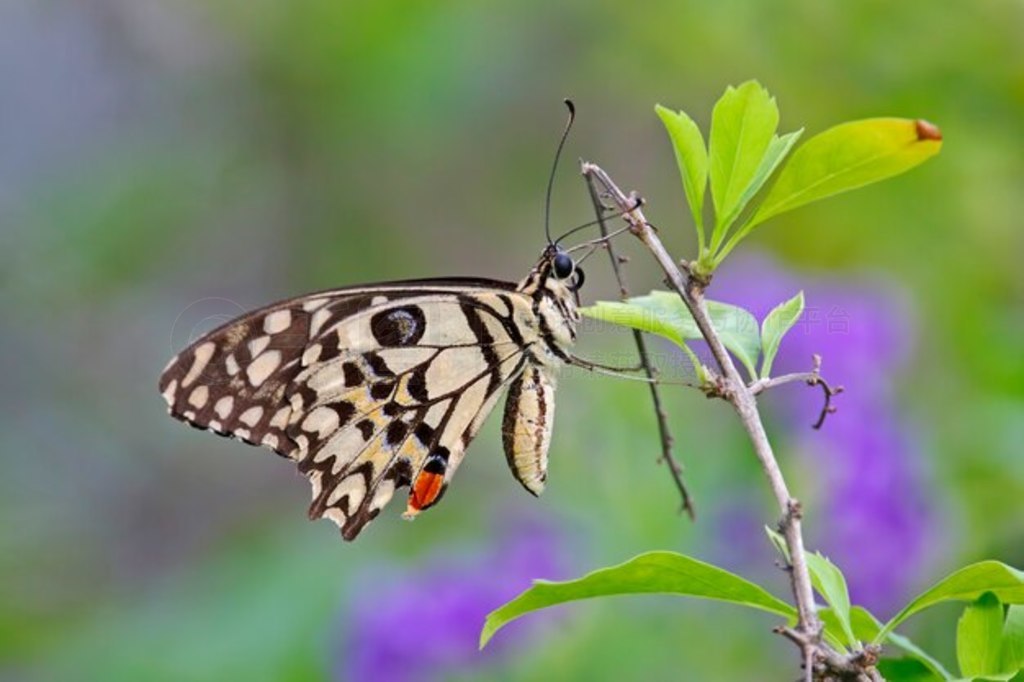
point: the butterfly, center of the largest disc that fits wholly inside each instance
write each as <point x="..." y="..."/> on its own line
<point x="370" y="389"/>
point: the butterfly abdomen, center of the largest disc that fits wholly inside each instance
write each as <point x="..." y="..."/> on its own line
<point x="526" y="428"/>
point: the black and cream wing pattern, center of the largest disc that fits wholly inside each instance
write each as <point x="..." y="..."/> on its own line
<point x="371" y="389"/>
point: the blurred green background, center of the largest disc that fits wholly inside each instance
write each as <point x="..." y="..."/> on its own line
<point x="164" y="163"/>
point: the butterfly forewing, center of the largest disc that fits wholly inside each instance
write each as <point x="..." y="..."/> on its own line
<point x="233" y="380"/>
<point x="368" y="389"/>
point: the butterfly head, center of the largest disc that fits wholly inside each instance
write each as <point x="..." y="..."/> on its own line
<point x="564" y="268"/>
<point x="554" y="284"/>
<point x="557" y="273"/>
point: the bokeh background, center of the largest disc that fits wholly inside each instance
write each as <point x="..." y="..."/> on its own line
<point x="165" y="163"/>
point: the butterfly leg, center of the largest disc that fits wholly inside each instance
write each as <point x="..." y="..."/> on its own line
<point x="622" y="373"/>
<point x="591" y="364"/>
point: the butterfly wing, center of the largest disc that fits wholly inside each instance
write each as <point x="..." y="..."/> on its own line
<point x="368" y="389"/>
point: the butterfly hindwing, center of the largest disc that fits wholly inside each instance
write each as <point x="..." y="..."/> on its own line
<point x="367" y="389"/>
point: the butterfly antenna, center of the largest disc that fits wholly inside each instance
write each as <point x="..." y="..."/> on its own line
<point x="637" y="203"/>
<point x="554" y="167"/>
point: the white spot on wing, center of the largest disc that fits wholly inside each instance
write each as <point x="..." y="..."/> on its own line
<point x="311" y="355"/>
<point x="251" y="416"/>
<point x="169" y="392"/>
<point x="258" y="345"/>
<point x="232" y="364"/>
<point x="276" y="322"/>
<point x="383" y="495"/>
<point x="263" y="366"/>
<point x="379" y="300"/>
<point x="335" y="514"/>
<point x="310" y="306"/>
<point x="280" y="418"/>
<point x="319" y="317"/>
<point x="353" y="486"/>
<point x="344" y="445"/>
<point x="224" y="406"/>
<point x="270" y="440"/>
<point x="199" y="396"/>
<point x="202" y="354"/>
<point x="328" y="380"/>
<point x="314" y="480"/>
<point x="323" y="420"/>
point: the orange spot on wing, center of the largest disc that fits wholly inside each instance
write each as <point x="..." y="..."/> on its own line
<point x="425" y="492"/>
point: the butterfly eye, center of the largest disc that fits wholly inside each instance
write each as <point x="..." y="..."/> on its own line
<point x="563" y="265"/>
<point x="579" y="280"/>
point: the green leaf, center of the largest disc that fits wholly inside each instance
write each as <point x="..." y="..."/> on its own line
<point x="906" y="670"/>
<point x="779" y="321"/>
<point x="663" y="313"/>
<point x="1013" y="640"/>
<point x="979" y="637"/>
<point x="966" y="584"/>
<point x="647" y="319"/>
<point x="830" y="582"/>
<point x="775" y="537"/>
<point x="692" y="159"/>
<point x="920" y="654"/>
<point x="743" y="126"/>
<point x="654" y="572"/>
<point x="845" y="157"/>
<point x="778" y="149"/>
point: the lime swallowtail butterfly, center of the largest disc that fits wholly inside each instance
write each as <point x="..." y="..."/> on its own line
<point x="374" y="388"/>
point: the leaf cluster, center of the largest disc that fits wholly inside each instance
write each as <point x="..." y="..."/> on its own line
<point x="990" y="634"/>
<point x="745" y="154"/>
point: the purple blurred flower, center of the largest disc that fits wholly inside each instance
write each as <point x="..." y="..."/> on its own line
<point x="877" y="523"/>
<point x="424" y="622"/>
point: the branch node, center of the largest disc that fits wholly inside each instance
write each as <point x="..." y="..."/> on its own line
<point x="717" y="386"/>
<point x="812" y="378"/>
<point x="794" y="511"/>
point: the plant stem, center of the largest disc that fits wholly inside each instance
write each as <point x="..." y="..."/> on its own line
<point x="691" y="291"/>
<point x="674" y="467"/>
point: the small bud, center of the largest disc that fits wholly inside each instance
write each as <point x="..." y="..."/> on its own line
<point x="927" y="131"/>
